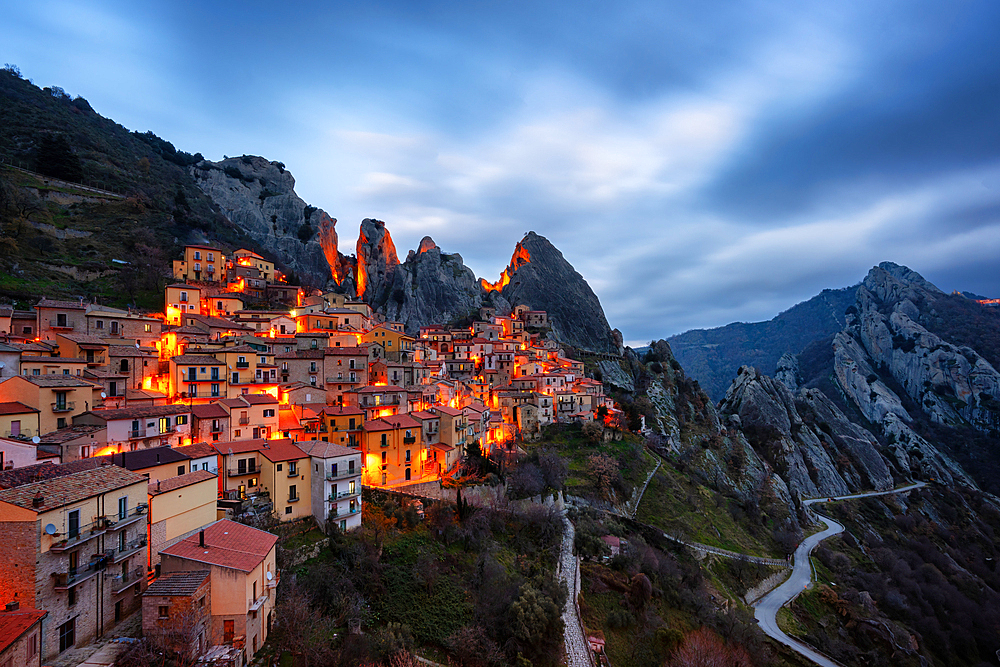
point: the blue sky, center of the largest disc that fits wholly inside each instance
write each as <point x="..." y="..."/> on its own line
<point x="699" y="163"/>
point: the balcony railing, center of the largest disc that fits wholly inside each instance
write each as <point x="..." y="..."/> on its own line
<point x="236" y="472"/>
<point x="293" y="472"/>
<point x="334" y="497"/>
<point x="294" y="499"/>
<point x="217" y="429"/>
<point x="118" y="555"/>
<point x="56" y="324"/>
<point x="242" y="364"/>
<point x="64" y="406"/>
<point x="337" y="512"/>
<point x="86" y="532"/>
<point x="136" y="433"/>
<point x="74" y="576"/>
<point x="123" y="581"/>
<point x="341" y="474"/>
<point x="117" y="521"/>
<point x="409" y="440"/>
<point x="23" y="433"/>
<point x="244" y="421"/>
<point x="254" y="605"/>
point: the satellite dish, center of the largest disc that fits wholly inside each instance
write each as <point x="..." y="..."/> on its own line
<point x="270" y="576"/>
<point x="50" y="529"/>
<point x="137" y="345"/>
<point x="2" y="365"/>
<point x="103" y="395"/>
<point x="36" y="439"/>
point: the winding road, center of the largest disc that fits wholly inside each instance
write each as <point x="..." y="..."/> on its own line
<point x="766" y="609"/>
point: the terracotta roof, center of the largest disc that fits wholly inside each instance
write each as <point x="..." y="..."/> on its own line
<point x="287" y="421"/>
<point x="326" y="450"/>
<point x="126" y="351"/>
<point x="179" y="482"/>
<point x="197" y="360"/>
<point x="143" y="394"/>
<point x="197" y="450"/>
<point x="243" y="446"/>
<point x="143" y="411"/>
<point x="178" y="583"/>
<point x="281" y="450"/>
<point x="375" y="389"/>
<point x="68" y="489"/>
<point x="300" y="354"/>
<point x="444" y="409"/>
<point x="69" y="433"/>
<point x="210" y="411"/>
<point x="66" y="305"/>
<point x="391" y="422"/>
<point x="347" y="351"/>
<point x="84" y="339"/>
<point x="15" y="408"/>
<point x="342" y="410"/>
<point x="421" y="414"/>
<point x="227" y="544"/>
<point x="15" y="624"/>
<point x="54" y="380"/>
<point x="251" y="399"/>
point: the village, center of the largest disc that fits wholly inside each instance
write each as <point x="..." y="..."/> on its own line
<point x="137" y="449"/>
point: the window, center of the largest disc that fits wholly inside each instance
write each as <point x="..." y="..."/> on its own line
<point x="26" y="330"/>
<point x="278" y="467"/>
<point x="228" y="631"/>
<point x="85" y="452"/>
<point x="122" y="507"/>
<point x="197" y="254"/>
<point x="269" y="412"/>
<point x="211" y="256"/>
<point x="67" y="634"/>
<point x="291" y="468"/>
<point x="114" y="327"/>
<point x="184" y="297"/>
<point x="383" y="458"/>
<point x="74" y="524"/>
<point x="181" y="419"/>
<point x="288" y="510"/>
<point x="407" y="455"/>
<point x="215" y="390"/>
<point x="32" y="646"/>
<point x="312" y="366"/>
<point x="148" y="328"/>
<point x="180" y="471"/>
<point x="99" y="324"/>
<point x="164" y="424"/>
<point x="292" y="494"/>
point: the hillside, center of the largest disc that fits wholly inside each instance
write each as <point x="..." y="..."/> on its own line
<point x="713" y="356"/>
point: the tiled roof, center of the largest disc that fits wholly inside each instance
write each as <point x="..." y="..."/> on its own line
<point x="69" y="433"/>
<point x="84" y="339"/>
<point x="281" y="450"/>
<point x="68" y="489"/>
<point x="342" y="410"/>
<point x="210" y="411"/>
<point x="444" y="409"/>
<point x="178" y="583"/>
<point x="126" y="351"/>
<point x="15" y="408"/>
<point x="14" y="624"/>
<point x="197" y="360"/>
<point x="287" y="421"/>
<point x="391" y="422"/>
<point x="42" y="471"/>
<point x="141" y="459"/>
<point x="239" y="446"/>
<point x="347" y="351"/>
<point x="326" y="450"/>
<point x="179" y="482"/>
<point x="375" y="389"/>
<point x="66" y="305"/>
<point x="197" y="450"/>
<point x="227" y="544"/>
<point x="420" y="414"/>
<point x="53" y="380"/>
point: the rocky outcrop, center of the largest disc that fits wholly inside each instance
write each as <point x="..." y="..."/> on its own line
<point x="805" y="437"/>
<point x="259" y="197"/>
<point x="787" y="371"/>
<point x="540" y="277"/>
<point x="430" y="287"/>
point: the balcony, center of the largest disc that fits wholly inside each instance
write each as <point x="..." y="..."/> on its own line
<point x="123" y="581"/>
<point x="74" y="577"/>
<point x="273" y="583"/>
<point x="117" y="521"/>
<point x="242" y="364"/>
<point x="137" y="433"/>
<point x="244" y="421"/>
<point x="133" y="547"/>
<point x="254" y="605"/>
<point x="344" y="494"/>
<point x="64" y="406"/>
<point x="23" y="433"/>
<point x="293" y="472"/>
<point x="409" y="440"/>
<point x="341" y="474"/>
<point x="217" y="429"/>
<point x="86" y="533"/>
<point x="237" y="472"/>
<point x="63" y="325"/>
<point x="295" y="499"/>
<point x="336" y="512"/>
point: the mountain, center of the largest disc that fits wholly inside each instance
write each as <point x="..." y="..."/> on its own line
<point x="713" y="356"/>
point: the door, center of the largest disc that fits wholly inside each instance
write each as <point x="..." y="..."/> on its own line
<point x="228" y="631"/>
<point x="15" y="428"/>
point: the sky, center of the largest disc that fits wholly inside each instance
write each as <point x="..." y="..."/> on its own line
<point x="699" y="163"/>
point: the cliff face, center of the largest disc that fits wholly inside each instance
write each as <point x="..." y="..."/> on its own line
<point x="430" y="287"/>
<point x="259" y="196"/>
<point x="541" y="278"/>
<point x="805" y="437"/>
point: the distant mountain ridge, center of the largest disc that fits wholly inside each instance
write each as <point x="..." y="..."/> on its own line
<point x="714" y="356"/>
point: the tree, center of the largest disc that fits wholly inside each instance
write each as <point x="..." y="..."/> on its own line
<point x="704" y="648"/>
<point x="535" y="619"/>
<point x="55" y="158"/>
<point x="302" y="630"/>
<point x="604" y="471"/>
<point x="377" y="525"/>
<point x="554" y="469"/>
<point x="593" y="431"/>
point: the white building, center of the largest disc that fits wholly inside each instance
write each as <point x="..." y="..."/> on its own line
<point x="336" y="483"/>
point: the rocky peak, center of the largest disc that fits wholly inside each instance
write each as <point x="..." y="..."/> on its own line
<point x="539" y="277"/>
<point x="377" y="261"/>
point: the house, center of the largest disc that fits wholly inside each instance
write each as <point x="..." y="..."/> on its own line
<point x="53" y="316"/>
<point x="392" y="447"/>
<point x="286" y="475"/>
<point x="244" y="257"/>
<point x="20" y="633"/>
<point x="379" y="401"/>
<point x="177" y="614"/>
<point x="335" y="486"/>
<point x="10" y="360"/>
<point x="17" y="454"/>
<point x="58" y="398"/>
<point x="224" y="304"/>
<point x="142" y="427"/>
<point x="398" y="346"/>
<point x="211" y="423"/>
<point x="181" y="300"/>
<point x="18" y="420"/>
<point x="154" y="464"/>
<point x="114" y="325"/>
<point x="251" y="416"/>
<point x="75" y="442"/>
<point x="243" y="578"/>
<point x="178" y="507"/>
<point x="203" y="456"/>
<point x="42" y="365"/>
<point x="341" y="425"/>
<point x="202" y="263"/>
<point x="78" y="544"/>
<point x="197" y="378"/>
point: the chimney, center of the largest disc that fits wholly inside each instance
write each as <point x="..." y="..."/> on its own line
<point x="201" y="539"/>
<point x="38" y="500"/>
<point x="13" y="606"/>
<point x="157" y="486"/>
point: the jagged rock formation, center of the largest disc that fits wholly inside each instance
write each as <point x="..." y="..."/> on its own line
<point x="430" y="287"/>
<point x="807" y="439"/>
<point x="259" y="196"/>
<point x="541" y="278"/>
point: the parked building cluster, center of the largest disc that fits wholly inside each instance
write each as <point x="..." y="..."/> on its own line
<point x="129" y="441"/>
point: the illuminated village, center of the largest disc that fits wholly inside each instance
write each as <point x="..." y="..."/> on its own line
<point x="132" y="440"/>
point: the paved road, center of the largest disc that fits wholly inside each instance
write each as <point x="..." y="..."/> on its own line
<point x="766" y="609"/>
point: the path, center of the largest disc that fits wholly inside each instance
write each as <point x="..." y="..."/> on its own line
<point x="638" y="498"/>
<point x="766" y="609"/>
<point x="577" y="650"/>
